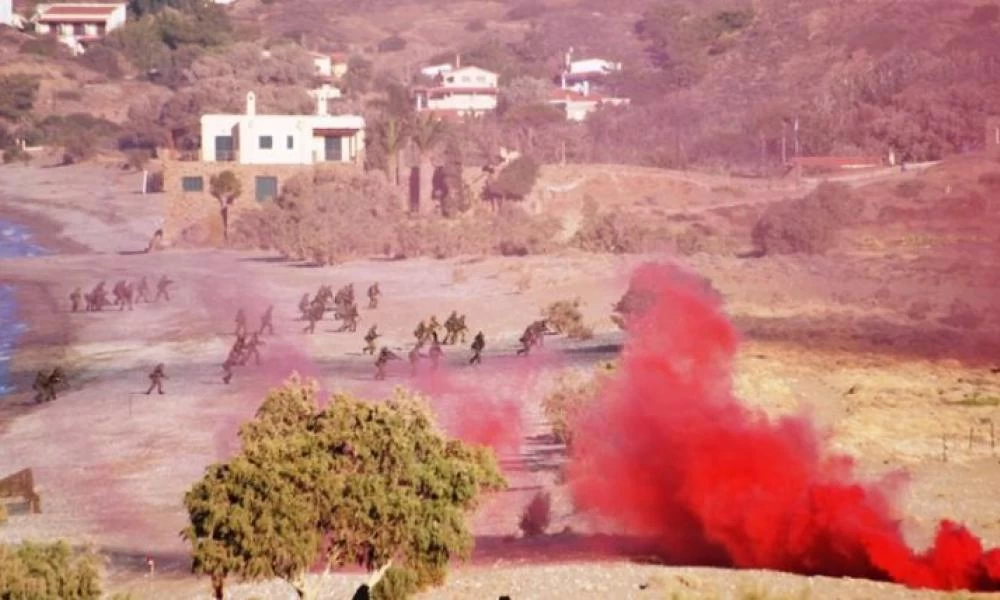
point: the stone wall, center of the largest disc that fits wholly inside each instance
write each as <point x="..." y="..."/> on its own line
<point x="197" y="213"/>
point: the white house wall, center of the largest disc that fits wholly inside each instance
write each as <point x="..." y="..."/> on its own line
<point x="7" y="13"/>
<point x="306" y="148"/>
<point x="484" y="102"/>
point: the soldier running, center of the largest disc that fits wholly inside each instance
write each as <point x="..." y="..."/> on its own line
<point x="478" y="345"/>
<point x="126" y="297"/>
<point x="315" y="315"/>
<point x="161" y="289"/>
<point x="415" y="357"/>
<point x="435" y="352"/>
<point x="304" y="305"/>
<point x="433" y="326"/>
<point x="231" y="361"/>
<point x="46" y="386"/>
<point x="420" y="332"/>
<point x="241" y="323"/>
<point x="142" y="290"/>
<point x="370" y="338"/>
<point x="384" y="356"/>
<point x="156" y="378"/>
<point x="374" y="293"/>
<point x="527" y="340"/>
<point x="266" y="321"/>
<point x="350" y="316"/>
<point x="451" y="328"/>
<point x="461" y="328"/>
<point x="75" y="298"/>
<point x="250" y="349"/>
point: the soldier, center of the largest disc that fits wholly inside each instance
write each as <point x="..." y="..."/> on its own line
<point x="370" y="338"/>
<point x="142" y="290"/>
<point x="527" y="340"/>
<point x="239" y="345"/>
<point x="350" y="317"/>
<point x="461" y="328"/>
<point x="55" y="380"/>
<point x="435" y="352"/>
<point x="384" y="356"/>
<point x="433" y="326"/>
<point x="241" y="323"/>
<point x="75" y="298"/>
<point x="156" y="378"/>
<point x="415" y="357"/>
<point x="161" y="289"/>
<point x="266" y="321"/>
<point x="478" y="345"/>
<point x="539" y="329"/>
<point x="315" y="315"/>
<point x="98" y="297"/>
<point x="119" y="292"/>
<point x="420" y="332"/>
<point x="451" y="328"/>
<point x="41" y="387"/>
<point x="304" y="305"/>
<point x="126" y="297"/>
<point x="374" y="293"/>
<point x="250" y="349"/>
<point x="227" y="367"/>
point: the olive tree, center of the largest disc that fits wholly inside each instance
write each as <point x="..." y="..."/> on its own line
<point x="48" y="572"/>
<point x="373" y="484"/>
<point x="226" y="188"/>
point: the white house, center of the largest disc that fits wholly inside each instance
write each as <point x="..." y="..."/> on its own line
<point x="434" y="71"/>
<point x="323" y="64"/>
<point x="77" y="24"/>
<point x="7" y="13"/>
<point x="578" y="105"/>
<point x="576" y="73"/>
<point x="461" y="90"/>
<point x="252" y="139"/>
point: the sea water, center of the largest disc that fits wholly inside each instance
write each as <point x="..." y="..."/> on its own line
<point x="16" y="241"/>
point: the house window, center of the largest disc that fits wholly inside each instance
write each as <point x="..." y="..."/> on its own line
<point x="265" y="188"/>
<point x="333" y="149"/>
<point x="224" y="148"/>
<point x="192" y="184"/>
<point x="265" y="142"/>
<point x="290" y="141"/>
<point x="78" y="29"/>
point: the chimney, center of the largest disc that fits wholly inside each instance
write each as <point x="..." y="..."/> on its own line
<point x="586" y="88"/>
<point x="569" y="57"/>
<point x="562" y="80"/>
<point x="458" y="61"/>
<point x="321" y="105"/>
<point x="251" y="104"/>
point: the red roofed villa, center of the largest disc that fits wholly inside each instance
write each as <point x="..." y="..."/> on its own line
<point x="77" y="24"/>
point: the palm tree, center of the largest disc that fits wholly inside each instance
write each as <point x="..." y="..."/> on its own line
<point x="390" y="140"/>
<point x="426" y="131"/>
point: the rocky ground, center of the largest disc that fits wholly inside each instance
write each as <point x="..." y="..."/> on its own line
<point x="820" y="333"/>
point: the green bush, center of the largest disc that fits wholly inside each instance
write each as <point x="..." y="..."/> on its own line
<point x="46" y="46"/>
<point x="396" y="584"/>
<point x="3" y="514"/>
<point x="565" y="317"/>
<point x="537" y="516"/>
<point x="572" y="395"/>
<point x="806" y="225"/>
<point x="104" y="60"/>
<point x="15" y="154"/>
<point x="18" y="93"/>
<point x="393" y="43"/>
<point x="356" y="482"/>
<point x="48" y="572"/>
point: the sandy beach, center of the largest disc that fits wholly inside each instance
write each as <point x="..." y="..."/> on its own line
<point x="114" y="463"/>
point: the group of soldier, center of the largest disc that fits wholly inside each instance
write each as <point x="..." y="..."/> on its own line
<point x="48" y="384"/>
<point x="245" y="348"/>
<point x="126" y="293"/>
<point x="342" y="304"/>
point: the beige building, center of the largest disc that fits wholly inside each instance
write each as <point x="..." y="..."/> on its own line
<point x="76" y="25"/>
<point x="255" y="139"/>
<point x="463" y="91"/>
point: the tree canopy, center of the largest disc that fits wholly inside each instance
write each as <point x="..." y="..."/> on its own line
<point x="516" y="179"/>
<point x="357" y="482"/>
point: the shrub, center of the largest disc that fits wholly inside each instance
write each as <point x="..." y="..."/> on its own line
<point x="15" y="154"/>
<point x="3" y="514"/>
<point x="618" y="233"/>
<point x="356" y="482"/>
<point x="910" y="189"/>
<point x="529" y="9"/>
<point x="806" y="225"/>
<point x="565" y="317"/>
<point x="537" y="516"/>
<point x="137" y="159"/>
<point x="47" y="571"/>
<point x="573" y="392"/>
<point x="104" y="60"/>
<point x="639" y="297"/>
<point x="46" y="46"/>
<point x="18" y="93"/>
<point x="515" y="180"/>
<point x="393" y="43"/>
<point x="396" y="584"/>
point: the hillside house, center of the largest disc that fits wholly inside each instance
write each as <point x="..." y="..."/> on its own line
<point x="76" y="25"/>
<point x="253" y="139"/>
<point x="578" y="104"/>
<point x="7" y="13"/>
<point x="587" y="71"/>
<point x="461" y="91"/>
<point x="325" y="93"/>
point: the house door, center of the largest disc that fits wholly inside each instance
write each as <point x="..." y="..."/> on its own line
<point x="265" y="188"/>
<point x="224" y="148"/>
<point x="334" y="149"/>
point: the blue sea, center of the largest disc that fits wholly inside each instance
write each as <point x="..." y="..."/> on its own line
<point x="16" y="241"/>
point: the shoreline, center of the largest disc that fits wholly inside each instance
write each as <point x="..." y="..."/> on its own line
<point x="47" y="333"/>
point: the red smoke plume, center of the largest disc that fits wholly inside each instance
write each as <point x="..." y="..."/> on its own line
<point x="669" y="452"/>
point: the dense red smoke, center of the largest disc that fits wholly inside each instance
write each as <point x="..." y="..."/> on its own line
<point x="669" y="452"/>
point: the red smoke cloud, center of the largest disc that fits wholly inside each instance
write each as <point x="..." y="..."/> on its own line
<point x="669" y="452"/>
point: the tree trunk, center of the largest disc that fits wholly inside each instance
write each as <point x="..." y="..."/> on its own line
<point x="225" y="223"/>
<point x="425" y="203"/>
<point x="394" y="167"/>
<point x="217" y="585"/>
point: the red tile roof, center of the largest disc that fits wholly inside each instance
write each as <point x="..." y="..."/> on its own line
<point x="574" y="96"/>
<point x="65" y="13"/>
